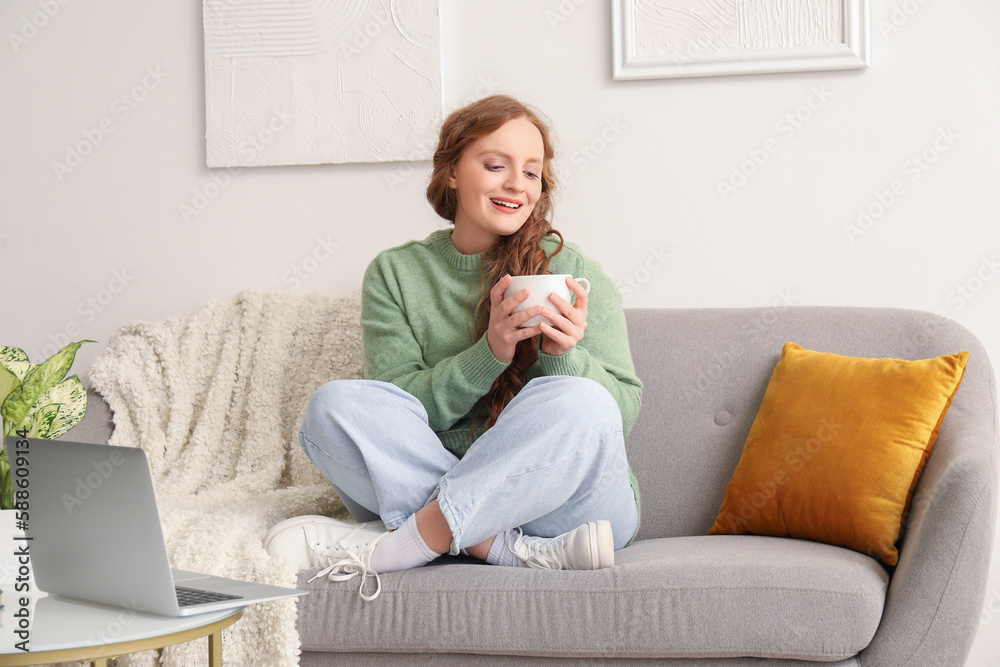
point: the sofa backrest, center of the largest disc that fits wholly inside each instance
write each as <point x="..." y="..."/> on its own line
<point x="704" y="373"/>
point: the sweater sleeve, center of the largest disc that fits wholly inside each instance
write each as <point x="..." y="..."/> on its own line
<point x="603" y="354"/>
<point x="391" y="353"/>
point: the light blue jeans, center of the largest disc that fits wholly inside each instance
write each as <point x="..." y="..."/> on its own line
<point x="554" y="460"/>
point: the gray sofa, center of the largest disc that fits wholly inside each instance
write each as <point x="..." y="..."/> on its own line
<point x="677" y="595"/>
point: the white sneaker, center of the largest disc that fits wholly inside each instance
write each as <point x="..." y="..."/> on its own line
<point x="342" y="549"/>
<point x="589" y="547"/>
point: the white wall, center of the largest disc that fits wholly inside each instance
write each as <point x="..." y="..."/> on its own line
<point x="641" y="161"/>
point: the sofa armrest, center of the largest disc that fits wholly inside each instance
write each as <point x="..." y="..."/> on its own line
<point x="97" y="425"/>
<point x="936" y="594"/>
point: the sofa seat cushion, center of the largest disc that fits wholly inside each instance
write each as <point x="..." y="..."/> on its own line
<point x="701" y="596"/>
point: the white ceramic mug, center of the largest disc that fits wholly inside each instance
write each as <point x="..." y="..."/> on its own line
<point x="539" y="288"/>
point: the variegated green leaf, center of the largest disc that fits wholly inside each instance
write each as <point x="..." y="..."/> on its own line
<point x="8" y="353"/>
<point x="38" y="380"/>
<point x="39" y="422"/>
<point x="6" y="484"/>
<point x="14" y="366"/>
<point x="71" y="397"/>
<point x="7" y="383"/>
<point x="18" y="368"/>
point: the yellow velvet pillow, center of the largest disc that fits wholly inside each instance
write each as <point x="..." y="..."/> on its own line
<point x="837" y="448"/>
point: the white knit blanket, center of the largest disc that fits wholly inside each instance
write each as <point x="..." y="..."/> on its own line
<point x="215" y="398"/>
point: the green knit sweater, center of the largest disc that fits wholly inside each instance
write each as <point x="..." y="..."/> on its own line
<point x="418" y="333"/>
<point x="417" y="305"/>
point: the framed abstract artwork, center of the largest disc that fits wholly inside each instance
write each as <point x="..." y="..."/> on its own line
<point x="656" y="39"/>
<point x="320" y="82"/>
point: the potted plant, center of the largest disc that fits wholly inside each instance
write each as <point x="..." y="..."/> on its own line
<point x="37" y="401"/>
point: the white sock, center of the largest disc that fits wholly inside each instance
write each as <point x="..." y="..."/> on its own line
<point x="402" y="549"/>
<point x="499" y="553"/>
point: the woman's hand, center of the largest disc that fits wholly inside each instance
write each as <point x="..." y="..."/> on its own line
<point x="570" y="322"/>
<point x="503" y="334"/>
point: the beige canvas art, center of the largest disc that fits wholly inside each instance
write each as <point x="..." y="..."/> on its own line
<point x="320" y="81"/>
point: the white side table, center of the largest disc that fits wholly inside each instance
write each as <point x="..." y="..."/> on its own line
<point x="65" y="630"/>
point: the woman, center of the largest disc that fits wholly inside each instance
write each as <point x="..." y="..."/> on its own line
<point x="472" y="434"/>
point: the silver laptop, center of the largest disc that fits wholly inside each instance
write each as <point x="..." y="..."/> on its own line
<point x="97" y="536"/>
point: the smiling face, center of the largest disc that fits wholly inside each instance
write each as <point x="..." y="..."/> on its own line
<point x="497" y="182"/>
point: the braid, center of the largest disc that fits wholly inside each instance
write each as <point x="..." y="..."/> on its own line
<point x="519" y="254"/>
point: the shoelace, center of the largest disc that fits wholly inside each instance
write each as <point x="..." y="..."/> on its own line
<point x="539" y="560"/>
<point x="351" y="565"/>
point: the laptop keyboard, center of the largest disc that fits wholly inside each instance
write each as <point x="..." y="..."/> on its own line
<point x="189" y="596"/>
